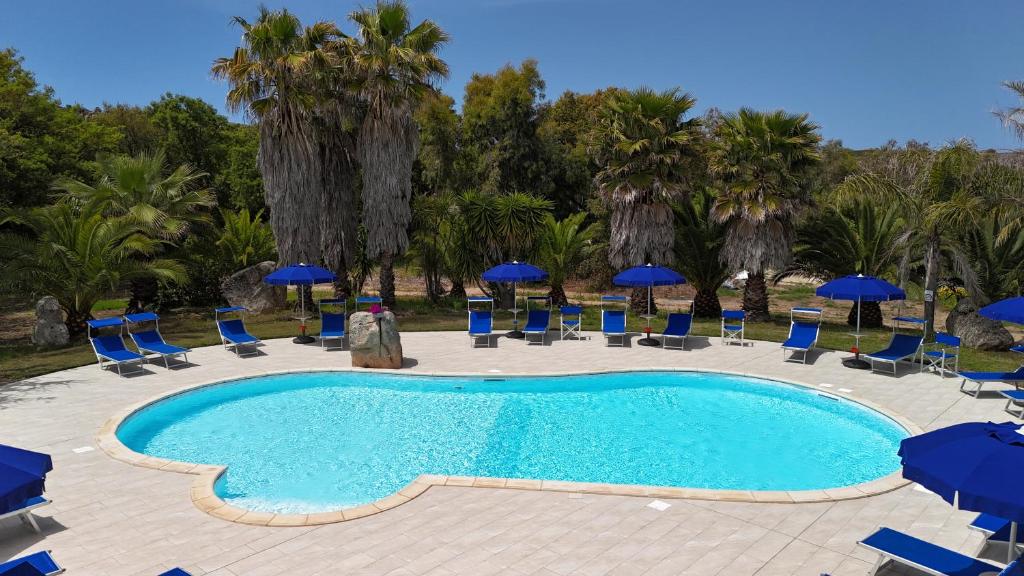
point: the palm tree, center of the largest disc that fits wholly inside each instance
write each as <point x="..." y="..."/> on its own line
<point x="393" y="66"/>
<point x="274" y="79"/>
<point x="135" y="188"/>
<point x="79" y="255"/>
<point x="246" y="239"/>
<point x="761" y="160"/>
<point x="1013" y="118"/>
<point x="564" y="244"/>
<point x="698" y="248"/>
<point x="863" y="237"/>
<point x="648" y="154"/>
<point x="940" y="195"/>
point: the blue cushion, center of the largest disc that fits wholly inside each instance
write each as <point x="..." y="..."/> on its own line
<point x="175" y="572"/>
<point x="40" y="563"/>
<point x="480" y="321"/>
<point x="234" y="331"/>
<point x="537" y="321"/>
<point x="802" y="335"/>
<point x="940" y="560"/>
<point x="613" y="321"/>
<point x="1017" y="375"/>
<point x="678" y="325"/>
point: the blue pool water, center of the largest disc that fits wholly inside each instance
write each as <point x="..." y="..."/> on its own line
<point x="321" y="441"/>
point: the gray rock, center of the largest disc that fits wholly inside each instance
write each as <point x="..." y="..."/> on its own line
<point x="50" y="329"/>
<point x="374" y="341"/>
<point x="976" y="331"/>
<point x="247" y="288"/>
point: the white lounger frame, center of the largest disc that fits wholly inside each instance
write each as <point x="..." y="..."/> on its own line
<point x="25" y="514"/>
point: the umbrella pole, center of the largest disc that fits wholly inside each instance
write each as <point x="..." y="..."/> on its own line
<point x="515" y="333"/>
<point x="858" y="329"/>
<point x="647" y="340"/>
<point x="1012" y="552"/>
<point x="856" y="362"/>
<point x="302" y="338"/>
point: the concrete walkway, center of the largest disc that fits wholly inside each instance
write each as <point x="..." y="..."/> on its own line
<point x="110" y="518"/>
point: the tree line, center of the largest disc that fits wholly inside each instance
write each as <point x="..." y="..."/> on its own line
<point x="353" y="159"/>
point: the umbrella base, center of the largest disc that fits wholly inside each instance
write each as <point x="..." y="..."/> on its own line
<point x="648" y="341"/>
<point x="517" y="334"/>
<point x="303" y="339"/>
<point x="856" y="363"/>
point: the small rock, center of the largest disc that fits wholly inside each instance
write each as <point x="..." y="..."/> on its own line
<point x="247" y="288"/>
<point x="374" y="341"/>
<point x="976" y="331"/>
<point x="50" y="329"/>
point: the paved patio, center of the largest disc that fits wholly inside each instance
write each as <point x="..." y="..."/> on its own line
<point x="111" y="518"/>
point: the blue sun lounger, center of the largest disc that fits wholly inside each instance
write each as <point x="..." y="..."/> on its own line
<point x="537" y="321"/>
<point x="233" y="333"/>
<point x="332" y="324"/>
<point x="110" y="349"/>
<point x="613" y="322"/>
<point x="929" y="558"/>
<point x="24" y="511"/>
<point x="995" y="529"/>
<point x="150" y="341"/>
<point x="175" y="572"/>
<point x="40" y="563"/>
<point x="803" y="334"/>
<point x="979" y="379"/>
<point x="481" y="322"/>
<point x="901" y="347"/>
<point x="678" y="327"/>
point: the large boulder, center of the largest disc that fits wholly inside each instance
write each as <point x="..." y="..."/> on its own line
<point x="374" y="340"/>
<point x="976" y="331"/>
<point x="50" y="329"/>
<point x="247" y="288"/>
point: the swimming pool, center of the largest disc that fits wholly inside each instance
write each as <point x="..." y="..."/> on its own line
<point x="310" y="442"/>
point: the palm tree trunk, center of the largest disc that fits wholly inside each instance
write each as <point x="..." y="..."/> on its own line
<point x="75" y="321"/>
<point x="931" y="282"/>
<point x="870" y="315"/>
<point x="387" y="279"/>
<point x="706" y="304"/>
<point x="755" y="298"/>
<point x="458" y="290"/>
<point x="557" y="295"/>
<point x="143" y="293"/>
<point x="638" y="301"/>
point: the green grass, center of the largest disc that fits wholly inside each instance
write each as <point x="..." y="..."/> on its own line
<point x="194" y="328"/>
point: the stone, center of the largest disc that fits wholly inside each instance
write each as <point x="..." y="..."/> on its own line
<point x="374" y="340"/>
<point x="976" y="331"/>
<point x="247" y="288"/>
<point x="50" y="329"/>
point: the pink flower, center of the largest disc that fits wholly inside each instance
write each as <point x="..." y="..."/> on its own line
<point x="376" y="309"/>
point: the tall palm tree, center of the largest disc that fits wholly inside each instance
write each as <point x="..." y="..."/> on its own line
<point x="393" y="65"/>
<point x="761" y="160"/>
<point x="136" y="188"/>
<point x="79" y="255"/>
<point x="648" y="154"/>
<point x="564" y="244"/>
<point x="273" y="79"/>
<point x="698" y="247"/>
<point x="1013" y="118"/>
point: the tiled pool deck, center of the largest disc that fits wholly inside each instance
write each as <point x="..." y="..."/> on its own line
<point x="111" y="518"/>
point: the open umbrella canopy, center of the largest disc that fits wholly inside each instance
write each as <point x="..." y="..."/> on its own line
<point x="300" y="274"/>
<point x="648" y="275"/>
<point x="860" y="287"/>
<point x="975" y="465"/>
<point x="515" y="272"/>
<point x="1009" y="310"/>
<point x="22" y="476"/>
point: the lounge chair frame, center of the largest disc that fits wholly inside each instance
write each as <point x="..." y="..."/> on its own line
<point x="225" y="340"/>
<point x="614" y="302"/>
<point x="809" y="316"/>
<point x="934" y="354"/>
<point x="333" y="302"/>
<point x="570" y="321"/>
<point x="885" y="556"/>
<point x="734" y="332"/>
<point x="1015" y="378"/>
<point x="475" y="337"/>
<point x="101" y="357"/>
<point x="25" y="512"/>
<point x="919" y="322"/>
<point x="146" y="317"/>
<point x="367" y="301"/>
<point x="527" y="330"/>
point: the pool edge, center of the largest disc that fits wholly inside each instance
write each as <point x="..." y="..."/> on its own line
<point x="205" y="499"/>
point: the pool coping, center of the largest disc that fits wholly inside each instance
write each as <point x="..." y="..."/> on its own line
<point x="205" y="499"/>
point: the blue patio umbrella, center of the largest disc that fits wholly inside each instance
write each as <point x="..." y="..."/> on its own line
<point x="859" y="288"/>
<point x="515" y="272"/>
<point x="22" y="476"/>
<point x="1009" y="310"/>
<point x="648" y="276"/>
<point x="973" y="466"/>
<point x="300" y="275"/>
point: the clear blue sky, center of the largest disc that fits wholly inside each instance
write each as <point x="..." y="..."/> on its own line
<point x="866" y="70"/>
